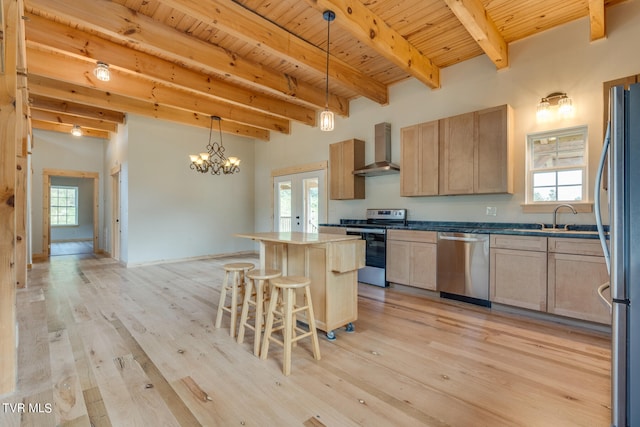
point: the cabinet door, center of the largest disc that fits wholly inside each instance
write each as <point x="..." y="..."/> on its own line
<point x="573" y="284"/>
<point x="457" y="153"/>
<point x="409" y="163"/>
<point x="419" y="149"/>
<point x="423" y="265"/>
<point x="518" y="278"/>
<point x="398" y="262"/>
<point x="344" y="158"/>
<point x="493" y="171"/>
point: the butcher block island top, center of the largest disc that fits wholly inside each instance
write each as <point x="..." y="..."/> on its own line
<point x="298" y="237"/>
<point x="331" y="261"/>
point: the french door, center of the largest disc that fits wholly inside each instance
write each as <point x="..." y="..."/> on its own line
<point x="300" y="201"/>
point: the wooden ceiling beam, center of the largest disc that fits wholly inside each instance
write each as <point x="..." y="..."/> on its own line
<point x="80" y="72"/>
<point x="66" y="128"/>
<point x="597" y="23"/>
<point x="145" y="34"/>
<point x="251" y="28"/>
<point x="51" y="88"/>
<point x="61" y="118"/>
<point x="73" y="109"/>
<point x="362" y="23"/>
<point x="474" y="17"/>
<point x="81" y="44"/>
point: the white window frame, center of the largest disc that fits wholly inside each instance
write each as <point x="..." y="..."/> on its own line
<point x="51" y="216"/>
<point x="583" y="167"/>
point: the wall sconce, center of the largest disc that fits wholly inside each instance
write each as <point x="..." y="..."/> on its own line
<point x="76" y="130"/>
<point x="560" y="100"/>
<point x="102" y="71"/>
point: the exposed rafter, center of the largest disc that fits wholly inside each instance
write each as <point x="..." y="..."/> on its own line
<point x="370" y="29"/>
<point x="245" y="25"/>
<point x="62" y="118"/>
<point x="66" y="128"/>
<point x="75" y="42"/>
<point x="598" y="29"/>
<point x="474" y="17"/>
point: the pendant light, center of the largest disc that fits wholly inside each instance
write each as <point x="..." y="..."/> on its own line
<point x="326" y="117"/>
<point x="102" y="71"/>
<point x="214" y="161"/>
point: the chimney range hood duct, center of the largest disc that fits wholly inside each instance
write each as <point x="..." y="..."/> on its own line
<point x="382" y="155"/>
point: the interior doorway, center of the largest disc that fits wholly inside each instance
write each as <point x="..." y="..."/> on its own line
<point x="52" y="174"/>
<point x="300" y="198"/>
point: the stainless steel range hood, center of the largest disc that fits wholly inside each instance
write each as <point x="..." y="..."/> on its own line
<point x="382" y="155"/>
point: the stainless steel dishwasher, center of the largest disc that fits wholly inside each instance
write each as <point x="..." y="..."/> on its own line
<point x="463" y="267"/>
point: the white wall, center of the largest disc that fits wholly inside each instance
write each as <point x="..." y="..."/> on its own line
<point x="53" y="150"/>
<point x="561" y="59"/>
<point x="174" y="212"/>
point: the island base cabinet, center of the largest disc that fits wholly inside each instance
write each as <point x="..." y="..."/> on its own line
<point x="518" y="278"/>
<point x="573" y="284"/>
<point x="334" y="294"/>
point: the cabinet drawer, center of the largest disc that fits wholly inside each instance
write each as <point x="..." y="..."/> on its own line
<point x="413" y="236"/>
<point x="524" y="243"/>
<point x="347" y="256"/>
<point x="332" y="230"/>
<point x="575" y="246"/>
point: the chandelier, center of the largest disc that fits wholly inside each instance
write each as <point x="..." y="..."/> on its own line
<point x="214" y="160"/>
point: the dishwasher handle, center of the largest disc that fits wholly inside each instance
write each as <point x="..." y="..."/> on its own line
<point x="462" y="239"/>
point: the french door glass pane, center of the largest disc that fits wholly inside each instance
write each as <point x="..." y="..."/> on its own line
<point x="311" y="205"/>
<point x="284" y="206"/>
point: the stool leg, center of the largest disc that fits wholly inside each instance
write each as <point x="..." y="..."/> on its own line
<point x="245" y="310"/>
<point x="312" y="324"/>
<point x="234" y="302"/>
<point x="223" y="297"/>
<point x="259" y="317"/>
<point x="267" y="329"/>
<point x="289" y="300"/>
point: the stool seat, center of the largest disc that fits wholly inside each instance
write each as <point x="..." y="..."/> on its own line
<point x="264" y="274"/>
<point x="238" y="266"/>
<point x="282" y="304"/>
<point x="234" y="279"/>
<point x="255" y="293"/>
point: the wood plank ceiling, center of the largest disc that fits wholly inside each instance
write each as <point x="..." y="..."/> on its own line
<point x="259" y="64"/>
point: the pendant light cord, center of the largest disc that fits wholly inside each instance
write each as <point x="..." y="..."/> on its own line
<point x="327" y="74"/>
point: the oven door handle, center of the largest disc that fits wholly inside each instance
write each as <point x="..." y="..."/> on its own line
<point x="366" y="231"/>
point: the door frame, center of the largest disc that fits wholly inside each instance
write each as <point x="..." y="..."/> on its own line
<point x="46" y="192"/>
<point x="291" y="170"/>
<point x="115" y="212"/>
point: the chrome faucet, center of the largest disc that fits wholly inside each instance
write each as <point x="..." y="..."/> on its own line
<point x="555" y="213"/>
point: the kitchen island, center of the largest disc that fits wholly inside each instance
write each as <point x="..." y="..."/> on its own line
<point x="331" y="261"/>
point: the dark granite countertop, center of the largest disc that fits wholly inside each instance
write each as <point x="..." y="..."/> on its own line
<point x="518" y="229"/>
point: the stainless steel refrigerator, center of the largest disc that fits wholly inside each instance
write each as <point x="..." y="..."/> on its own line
<point x="622" y="149"/>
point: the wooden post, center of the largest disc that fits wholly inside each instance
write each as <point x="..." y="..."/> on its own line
<point x="11" y="14"/>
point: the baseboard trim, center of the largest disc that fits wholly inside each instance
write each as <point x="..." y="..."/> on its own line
<point x="198" y="258"/>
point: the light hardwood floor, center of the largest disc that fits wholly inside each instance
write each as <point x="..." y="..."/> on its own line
<point x="104" y="345"/>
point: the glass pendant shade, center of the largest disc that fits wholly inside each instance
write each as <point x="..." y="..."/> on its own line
<point x="102" y="72"/>
<point x="326" y="120"/>
<point x="76" y="131"/>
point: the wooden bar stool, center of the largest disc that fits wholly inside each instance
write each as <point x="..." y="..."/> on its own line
<point x="234" y="278"/>
<point x="285" y="287"/>
<point x="254" y="295"/>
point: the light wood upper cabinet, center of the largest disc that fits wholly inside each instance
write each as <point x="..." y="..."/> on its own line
<point x="475" y="152"/>
<point x="493" y="164"/>
<point x="457" y="154"/>
<point x="419" y="153"/>
<point x="344" y="158"/>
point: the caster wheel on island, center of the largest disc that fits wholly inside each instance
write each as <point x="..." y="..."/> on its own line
<point x="331" y="336"/>
<point x="350" y="328"/>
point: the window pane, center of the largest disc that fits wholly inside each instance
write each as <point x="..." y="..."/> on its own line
<point x="573" y="142"/>
<point x="570" y="158"/>
<point x="542" y="179"/>
<point x="570" y="177"/>
<point x="568" y="193"/>
<point x="63" y="200"/>
<point x="544" y="194"/>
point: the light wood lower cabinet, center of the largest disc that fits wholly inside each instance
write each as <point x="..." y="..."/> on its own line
<point x="574" y="279"/>
<point x="518" y="271"/>
<point x="411" y="258"/>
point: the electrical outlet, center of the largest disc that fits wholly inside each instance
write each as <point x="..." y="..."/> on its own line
<point x="492" y="210"/>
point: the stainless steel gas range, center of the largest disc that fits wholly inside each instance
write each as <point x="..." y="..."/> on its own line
<point x="374" y="232"/>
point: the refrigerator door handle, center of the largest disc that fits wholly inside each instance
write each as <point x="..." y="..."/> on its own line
<point x="601" y="290"/>
<point x="596" y="197"/>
